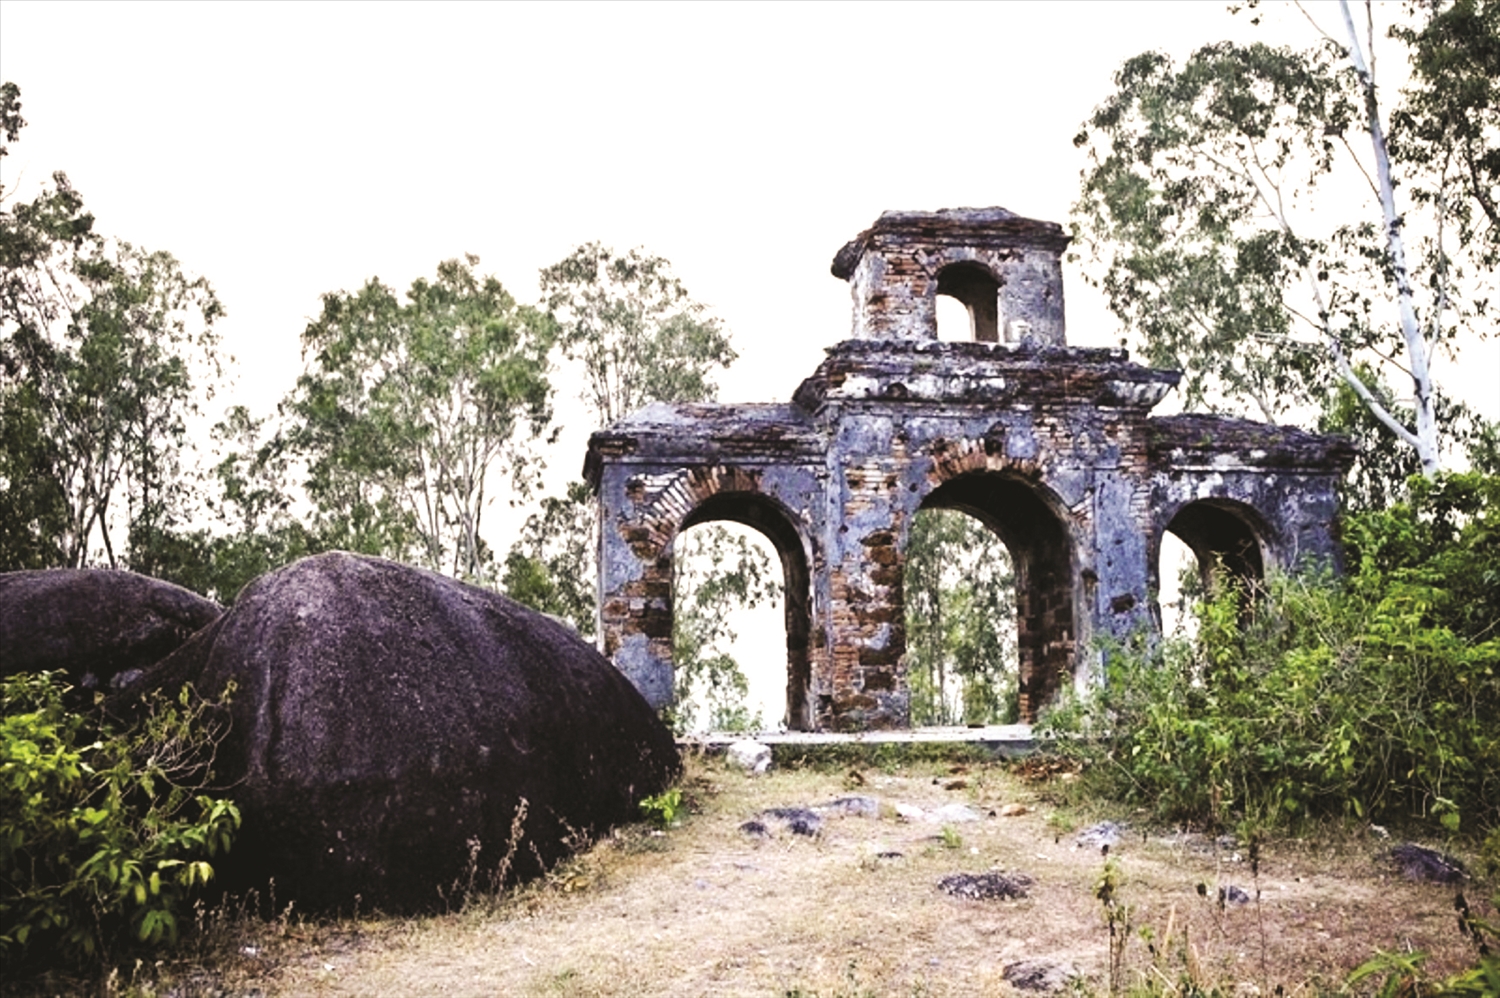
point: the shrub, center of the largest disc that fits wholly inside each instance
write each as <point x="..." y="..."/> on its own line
<point x="104" y="833"/>
<point x="1373" y="696"/>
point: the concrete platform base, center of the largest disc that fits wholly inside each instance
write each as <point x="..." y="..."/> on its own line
<point x="1005" y="741"/>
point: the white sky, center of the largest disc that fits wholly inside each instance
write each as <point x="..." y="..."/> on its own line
<point x="284" y="150"/>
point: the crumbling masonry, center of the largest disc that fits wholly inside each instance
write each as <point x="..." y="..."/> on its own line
<point x="1052" y="447"/>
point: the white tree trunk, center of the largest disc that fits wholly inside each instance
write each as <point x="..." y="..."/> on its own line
<point x="1425" y="440"/>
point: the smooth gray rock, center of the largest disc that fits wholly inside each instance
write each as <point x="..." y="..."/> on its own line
<point x="94" y="624"/>
<point x="385" y="717"/>
<point x="1105" y="834"/>
<point x="752" y="756"/>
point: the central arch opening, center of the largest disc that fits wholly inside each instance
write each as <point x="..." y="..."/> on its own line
<point x="960" y="592"/>
<point x="712" y="556"/>
<point x="1041" y="565"/>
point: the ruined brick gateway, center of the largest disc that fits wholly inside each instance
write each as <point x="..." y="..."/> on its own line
<point x="1052" y="447"/>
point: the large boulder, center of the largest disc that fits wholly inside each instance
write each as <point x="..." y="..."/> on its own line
<point x="388" y="722"/>
<point x="94" y="624"/>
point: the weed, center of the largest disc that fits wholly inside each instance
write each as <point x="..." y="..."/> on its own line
<point x="1117" y="916"/>
<point x="950" y="838"/>
<point x="663" y="809"/>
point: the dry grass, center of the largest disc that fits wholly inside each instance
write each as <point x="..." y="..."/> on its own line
<point x="704" y="909"/>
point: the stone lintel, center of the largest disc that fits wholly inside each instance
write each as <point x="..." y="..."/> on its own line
<point x="982" y="374"/>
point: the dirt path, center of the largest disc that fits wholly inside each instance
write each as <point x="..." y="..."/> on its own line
<point x="708" y="909"/>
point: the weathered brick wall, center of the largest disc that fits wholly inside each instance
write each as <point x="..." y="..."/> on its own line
<point x="1051" y="447"/>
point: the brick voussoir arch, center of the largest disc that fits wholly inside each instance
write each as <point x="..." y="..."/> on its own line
<point x="664" y="503"/>
<point x="966" y="455"/>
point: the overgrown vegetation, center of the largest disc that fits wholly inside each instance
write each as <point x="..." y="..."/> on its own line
<point x="1374" y="696"/>
<point x="106" y="831"/>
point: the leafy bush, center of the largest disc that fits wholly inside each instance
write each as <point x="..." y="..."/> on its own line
<point x="104" y="833"/>
<point x="1374" y="696"/>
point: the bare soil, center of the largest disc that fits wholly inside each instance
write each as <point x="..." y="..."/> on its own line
<point x="705" y="908"/>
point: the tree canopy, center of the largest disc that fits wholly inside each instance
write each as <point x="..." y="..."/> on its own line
<point x="106" y="351"/>
<point x="1266" y="224"/>
<point x="406" y="407"/>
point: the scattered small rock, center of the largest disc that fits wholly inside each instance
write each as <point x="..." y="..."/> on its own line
<point x="955" y="784"/>
<point x="952" y="814"/>
<point x="756" y="829"/>
<point x="1230" y="894"/>
<point x="854" y="807"/>
<point x="1106" y="833"/>
<point x="1421" y="863"/>
<point x="796" y="820"/>
<point x="1013" y="810"/>
<point x="1041" y="975"/>
<point x="986" y="886"/>
<point x="910" y="812"/>
<point x="890" y="854"/>
<point x="752" y="756"/>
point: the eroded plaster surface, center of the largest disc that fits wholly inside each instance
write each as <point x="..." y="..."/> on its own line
<point x="1052" y="447"/>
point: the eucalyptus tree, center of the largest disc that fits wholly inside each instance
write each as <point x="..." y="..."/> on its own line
<point x="107" y="351"/>
<point x="412" y="413"/>
<point x="1269" y="226"/>
<point x="634" y="330"/>
<point x="632" y="334"/>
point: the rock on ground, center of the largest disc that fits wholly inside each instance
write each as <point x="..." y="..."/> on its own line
<point x="751" y="756"/>
<point x="1106" y="833"/>
<point x="385" y="718"/>
<point x="986" y="886"/>
<point x="1041" y="975"/>
<point x="94" y="624"/>
<point x="1421" y="863"/>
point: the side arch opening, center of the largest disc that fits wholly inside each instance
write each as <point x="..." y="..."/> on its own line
<point x="768" y="521"/>
<point x="1206" y="544"/>
<point x="1041" y="555"/>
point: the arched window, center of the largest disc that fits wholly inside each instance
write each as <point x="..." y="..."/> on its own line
<point x="974" y="287"/>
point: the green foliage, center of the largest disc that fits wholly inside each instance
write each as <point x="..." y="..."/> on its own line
<point x="1452" y="113"/>
<point x="664" y="808"/>
<point x="406" y="408"/>
<point x="960" y="613"/>
<point x="1375" y="696"/>
<point x="1382" y="467"/>
<point x="1117" y="918"/>
<point x="551" y="565"/>
<point x="715" y="572"/>
<point x="1405" y="974"/>
<point x="104" y="834"/>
